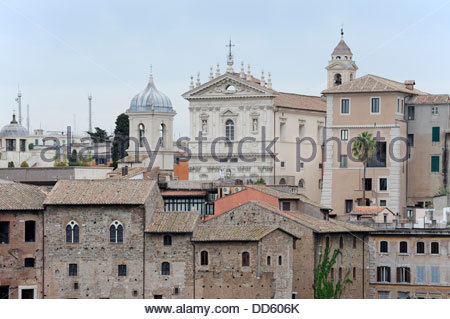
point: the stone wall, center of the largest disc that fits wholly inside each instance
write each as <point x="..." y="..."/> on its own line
<point x="97" y="258"/>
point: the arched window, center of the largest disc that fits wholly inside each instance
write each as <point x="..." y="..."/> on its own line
<point x="340" y="273"/>
<point x="141" y="130"/>
<point x="229" y="130"/>
<point x="280" y="260"/>
<point x="351" y="76"/>
<point x="162" y="134"/>
<point x="167" y="240"/>
<point x="341" y="243"/>
<point x="268" y="260"/>
<point x="204" y="258"/>
<point x="338" y="57"/>
<point x="282" y="181"/>
<point x="165" y="269"/>
<point x="116" y="232"/>
<point x="420" y="247"/>
<point x="337" y="79"/>
<point x="72" y="232"/>
<point x="403" y="247"/>
<point x="245" y="259"/>
<point x="301" y="183"/>
<point x="327" y="242"/>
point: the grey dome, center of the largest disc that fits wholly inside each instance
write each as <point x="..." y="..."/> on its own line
<point x="150" y="99"/>
<point x="14" y="129"/>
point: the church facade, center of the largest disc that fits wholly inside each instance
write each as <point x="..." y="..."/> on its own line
<point x="241" y="129"/>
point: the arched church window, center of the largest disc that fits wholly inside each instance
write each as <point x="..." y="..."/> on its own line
<point x="351" y="76"/>
<point x="141" y="129"/>
<point x="72" y="232"/>
<point x="229" y="130"/>
<point x="338" y="57"/>
<point x="345" y="57"/>
<point x="162" y="134"/>
<point x="116" y="232"/>
<point x="337" y="79"/>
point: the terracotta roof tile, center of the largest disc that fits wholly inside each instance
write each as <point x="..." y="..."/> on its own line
<point x="100" y="192"/>
<point x="428" y="99"/>
<point x="371" y="83"/>
<point x="317" y="225"/>
<point x="22" y="197"/>
<point x="173" y="222"/>
<point x="232" y="233"/>
<point x="299" y="101"/>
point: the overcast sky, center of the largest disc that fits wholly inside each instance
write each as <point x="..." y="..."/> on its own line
<point x="59" y="51"/>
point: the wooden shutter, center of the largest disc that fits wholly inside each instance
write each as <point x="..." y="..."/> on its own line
<point x="408" y="274"/>
<point x="388" y="274"/>
<point x="398" y="274"/>
<point x="436" y="134"/>
<point x="435" y="163"/>
<point x="378" y="274"/>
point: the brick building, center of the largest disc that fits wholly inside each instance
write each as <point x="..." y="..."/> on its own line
<point x="21" y="250"/>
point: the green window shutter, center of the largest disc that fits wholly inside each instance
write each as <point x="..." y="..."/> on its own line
<point x="436" y="134"/>
<point x="434" y="163"/>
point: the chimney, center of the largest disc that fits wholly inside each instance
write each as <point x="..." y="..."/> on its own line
<point x="124" y="170"/>
<point x="410" y="84"/>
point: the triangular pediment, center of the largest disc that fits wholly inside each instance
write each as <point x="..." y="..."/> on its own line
<point x="229" y="85"/>
<point x="342" y="65"/>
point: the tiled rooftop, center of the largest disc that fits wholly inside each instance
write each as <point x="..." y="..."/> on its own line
<point x="372" y="83"/>
<point x="100" y="192"/>
<point x="21" y="197"/>
<point x="173" y="222"/>
<point x="232" y="233"/>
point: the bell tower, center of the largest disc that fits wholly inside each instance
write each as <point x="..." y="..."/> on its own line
<point x="341" y="68"/>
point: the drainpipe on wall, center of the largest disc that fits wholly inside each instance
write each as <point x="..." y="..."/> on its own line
<point x="274" y="145"/>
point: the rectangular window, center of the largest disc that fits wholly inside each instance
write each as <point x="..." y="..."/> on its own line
<point x="286" y="206"/>
<point x="435" y="164"/>
<point x="378" y="158"/>
<point x="122" y="270"/>
<point x="436" y="134"/>
<point x="23" y="145"/>
<point x="435" y="248"/>
<point x="435" y="110"/>
<point x="411" y="111"/>
<point x="4" y="232"/>
<point x="29" y="262"/>
<point x="30" y="231"/>
<point x="4" y="292"/>
<point x="403" y="247"/>
<point x="332" y="274"/>
<point x="282" y="164"/>
<point x="375" y="105"/>
<point x="354" y="273"/>
<point x="403" y="274"/>
<point x="403" y="106"/>
<point x="367" y="184"/>
<point x="343" y="163"/>
<point x="383" y="184"/>
<point x="382" y="202"/>
<point x="411" y="140"/>
<point x="420" y="274"/>
<point x="383" y="274"/>
<point x="344" y="135"/>
<point x="73" y="270"/>
<point x="348" y="205"/>
<point x="255" y="125"/>
<point x="398" y="105"/>
<point x="345" y="106"/>
<point x="434" y="275"/>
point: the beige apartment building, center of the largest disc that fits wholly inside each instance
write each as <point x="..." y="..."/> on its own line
<point x="354" y="105"/>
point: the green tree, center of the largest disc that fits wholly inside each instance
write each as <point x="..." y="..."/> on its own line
<point x="11" y="164"/>
<point x="363" y="148"/>
<point x="121" y="136"/>
<point x="99" y="136"/>
<point x="74" y="157"/>
<point x="24" y="164"/>
<point x="323" y="287"/>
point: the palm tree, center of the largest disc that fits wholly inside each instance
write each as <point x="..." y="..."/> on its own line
<point x="363" y="148"/>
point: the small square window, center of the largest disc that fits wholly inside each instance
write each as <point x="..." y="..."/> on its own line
<point x="382" y="202"/>
<point x="135" y="293"/>
<point x="75" y="286"/>
<point x="176" y="291"/>
<point x="29" y="262"/>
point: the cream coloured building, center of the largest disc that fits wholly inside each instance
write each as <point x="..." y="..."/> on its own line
<point x="247" y="111"/>
<point x="368" y="103"/>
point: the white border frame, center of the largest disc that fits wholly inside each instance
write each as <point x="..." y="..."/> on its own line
<point x="349" y="106"/>
<point x="379" y="105"/>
